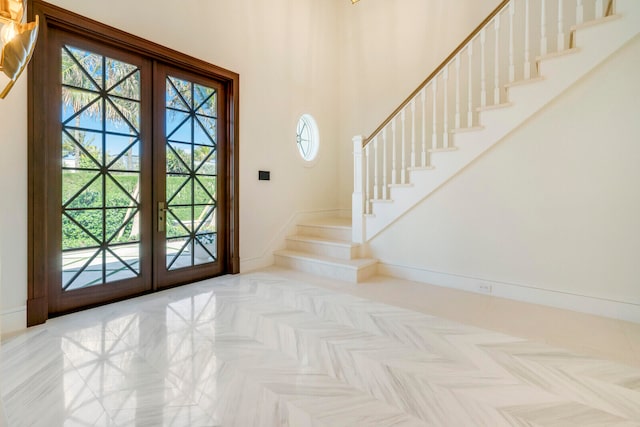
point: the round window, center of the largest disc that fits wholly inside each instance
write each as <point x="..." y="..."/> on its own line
<point x="307" y="137"/>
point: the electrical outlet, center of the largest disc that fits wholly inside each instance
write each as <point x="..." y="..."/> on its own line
<point x="485" y="288"/>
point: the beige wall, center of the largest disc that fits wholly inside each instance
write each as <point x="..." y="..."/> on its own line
<point x="554" y="207"/>
<point x="284" y="51"/>
<point x="387" y="48"/>
<point x="13" y="211"/>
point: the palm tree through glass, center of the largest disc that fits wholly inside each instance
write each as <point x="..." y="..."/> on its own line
<point x="100" y="116"/>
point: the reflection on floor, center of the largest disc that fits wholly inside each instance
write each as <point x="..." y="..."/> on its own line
<point x="277" y="348"/>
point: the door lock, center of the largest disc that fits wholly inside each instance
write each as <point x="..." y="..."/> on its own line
<point x="162" y="216"/>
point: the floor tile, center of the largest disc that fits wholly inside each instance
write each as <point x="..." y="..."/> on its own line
<point x="276" y="347"/>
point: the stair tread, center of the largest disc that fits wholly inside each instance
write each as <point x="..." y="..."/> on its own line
<point x="329" y="222"/>
<point x="595" y="22"/>
<point x="322" y="241"/>
<point x="442" y="149"/>
<point x="347" y="263"/>
<point x="558" y="54"/>
<point x="525" y="81"/>
<point x="494" y="106"/>
<point x="468" y="129"/>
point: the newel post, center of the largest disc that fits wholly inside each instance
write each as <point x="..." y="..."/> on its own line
<point x="357" y="199"/>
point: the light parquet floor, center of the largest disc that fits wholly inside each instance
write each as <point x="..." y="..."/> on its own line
<point x="276" y="347"/>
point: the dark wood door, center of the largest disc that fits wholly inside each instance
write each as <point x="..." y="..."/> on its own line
<point x="99" y="190"/>
<point x="116" y="138"/>
<point x="141" y="166"/>
<point x="190" y="176"/>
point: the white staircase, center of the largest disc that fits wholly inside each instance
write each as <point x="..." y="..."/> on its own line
<point x="523" y="57"/>
<point x="323" y="247"/>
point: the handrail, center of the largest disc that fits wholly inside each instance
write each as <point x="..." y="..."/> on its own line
<point x="440" y="67"/>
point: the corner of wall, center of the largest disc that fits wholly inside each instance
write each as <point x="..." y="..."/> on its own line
<point x="266" y="259"/>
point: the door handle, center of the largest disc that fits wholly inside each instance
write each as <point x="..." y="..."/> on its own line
<point x="162" y="216"/>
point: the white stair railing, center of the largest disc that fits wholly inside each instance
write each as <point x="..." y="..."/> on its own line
<point x="501" y="50"/>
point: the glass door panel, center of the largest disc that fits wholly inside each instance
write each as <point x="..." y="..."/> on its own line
<point x="190" y="166"/>
<point x="104" y="196"/>
<point x="100" y="169"/>
<point x="190" y="185"/>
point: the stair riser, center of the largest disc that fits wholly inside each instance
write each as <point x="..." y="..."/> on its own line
<point x="321" y="269"/>
<point x="334" y="251"/>
<point x="334" y="233"/>
<point x="524" y="93"/>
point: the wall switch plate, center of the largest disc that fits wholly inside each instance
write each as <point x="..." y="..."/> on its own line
<point x="264" y="175"/>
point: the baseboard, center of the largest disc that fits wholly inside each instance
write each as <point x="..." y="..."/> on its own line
<point x="620" y="310"/>
<point x="13" y="320"/>
<point x="277" y="242"/>
<point x="250" y="264"/>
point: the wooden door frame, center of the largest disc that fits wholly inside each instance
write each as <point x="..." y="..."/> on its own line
<point x="39" y="162"/>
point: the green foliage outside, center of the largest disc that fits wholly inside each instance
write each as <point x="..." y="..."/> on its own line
<point x="73" y="237"/>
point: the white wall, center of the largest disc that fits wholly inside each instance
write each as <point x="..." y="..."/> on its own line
<point x="553" y="210"/>
<point x="13" y="207"/>
<point x="387" y="48"/>
<point x="284" y="51"/>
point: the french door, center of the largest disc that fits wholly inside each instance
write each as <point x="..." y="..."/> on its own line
<point x="136" y="195"/>
<point x="190" y="175"/>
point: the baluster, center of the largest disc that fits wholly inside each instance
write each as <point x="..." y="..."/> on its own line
<point x="358" y="201"/>
<point x="423" y="159"/>
<point x="599" y="9"/>
<point x="367" y="199"/>
<point x="496" y="81"/>
<point x="560" y="26"/>
<point x="512" y="65"/>
<point x="403" y="168"/>
<point x="579" y="12"/>
<point x="434" y="135"/>
<point x="483" y="71"/>
<point x="445" y="126"/>
<point x="527" y="53"/>
<point x="376" y="183"/>
<point x="394" y="171"/>
<point x="470" y="88"/>
<point x="543" y="28"/>
<point x="457" y="124"/>
<point x="385" y="181"/>
<point x="413" y="133"/>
